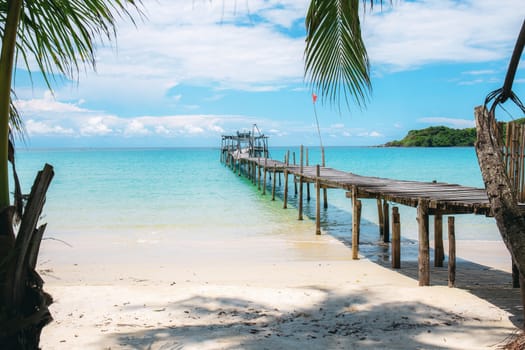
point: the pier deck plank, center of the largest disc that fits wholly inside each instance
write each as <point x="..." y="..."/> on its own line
<point x="450" y="198"/>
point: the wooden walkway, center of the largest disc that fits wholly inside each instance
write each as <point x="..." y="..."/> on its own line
<point x="430" y="198"/>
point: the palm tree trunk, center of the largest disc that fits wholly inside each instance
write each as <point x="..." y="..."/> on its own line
<point x="503" y="202"/>
<point x="6" y="72"/>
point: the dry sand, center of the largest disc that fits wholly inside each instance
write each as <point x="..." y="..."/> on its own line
<point x="287" y="291"/>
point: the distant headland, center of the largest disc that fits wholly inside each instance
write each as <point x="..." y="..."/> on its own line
<point x="436" y="136"/>
<point x="440" y="136"/>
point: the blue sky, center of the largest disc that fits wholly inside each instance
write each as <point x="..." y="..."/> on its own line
<point x="194" y="70"/>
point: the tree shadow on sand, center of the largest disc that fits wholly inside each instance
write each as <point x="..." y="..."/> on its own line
<point x="492" y="285"/>
<point x="338" y="322"/>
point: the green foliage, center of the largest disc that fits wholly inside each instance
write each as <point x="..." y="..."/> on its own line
<point x="336" y="62"/>
<point x="437" y="136"/>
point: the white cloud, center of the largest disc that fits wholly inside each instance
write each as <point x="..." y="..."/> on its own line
<point x="337" y="126"/>
<point x="414" y="33"/>
<point x="48" y="117"/>
<point x="370" y="134"/>
<point x="135" y="127"/>
<point x="480" y="72"/>
<point x="42" y="128"/>
<point x="200" y="41"/>
<point x="47" y="104"/>
<point x="456" y="123"/>
<point x="96" y="126"/>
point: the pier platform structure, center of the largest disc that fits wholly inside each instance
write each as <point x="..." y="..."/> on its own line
<point x="244" y="144"/>
<point x="430" y="198"/>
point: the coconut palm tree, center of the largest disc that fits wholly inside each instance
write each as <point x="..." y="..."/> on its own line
<point x="59" y="37"/>
<point x="336" y="64"/>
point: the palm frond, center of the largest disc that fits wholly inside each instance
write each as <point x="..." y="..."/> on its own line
<point x="336" y="61"/>
<point x="59" y="36"/>
<point x="16" y="125"/>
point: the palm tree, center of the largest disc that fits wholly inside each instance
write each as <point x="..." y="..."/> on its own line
<point x="336" y="64"/>
<point x="60" y="37"/>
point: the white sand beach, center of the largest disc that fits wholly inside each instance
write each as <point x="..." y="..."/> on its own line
<point x="287" y="291"/>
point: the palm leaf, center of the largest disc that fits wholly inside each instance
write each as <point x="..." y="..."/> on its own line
<point x="16" y="125"/>
<point x="59" y="36"/>
<point x="336" y="61"/>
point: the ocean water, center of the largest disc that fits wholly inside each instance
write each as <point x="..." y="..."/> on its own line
<point x="187" y="190"/>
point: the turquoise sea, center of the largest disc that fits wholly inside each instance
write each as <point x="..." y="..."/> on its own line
<point x="158" y="191"/>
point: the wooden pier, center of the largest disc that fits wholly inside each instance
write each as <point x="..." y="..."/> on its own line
<point x="430" y="198"/>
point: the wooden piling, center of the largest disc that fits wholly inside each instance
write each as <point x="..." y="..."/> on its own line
<point x="264" y="175"/>
<point x="396" y="238"/>
<point x="325" y="190"/>
<point x="380" y="219"/>
<point x="424" y="249"/>
<point x="254" y="173"/>
<point x="259" y="174"/>
<point x="300" y="200"/>
<point x="439" y="254"/>
<point x="451" y="252"/>
<point x="274" y="179"/>
<point x="386" y="222"/>
<point x="356" y="223"/>
<point x="307" y="184"/>
<point x="294" y="178"/>
<point x="285" y="195"/>
<point x="318" y="201"/>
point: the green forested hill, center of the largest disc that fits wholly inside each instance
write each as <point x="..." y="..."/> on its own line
<point x="437" y="136"/>
<point x="441" y="136"/>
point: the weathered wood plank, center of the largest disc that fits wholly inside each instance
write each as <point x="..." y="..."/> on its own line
<point x="396" y="238"/>
<point x="424" y="249"/>
<point x="451" y="252"/>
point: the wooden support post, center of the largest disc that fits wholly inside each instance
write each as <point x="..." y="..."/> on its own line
<point x="294" y="178"/>
<point x="307" y="184"/>
<point x="386" y="222"/>
<point x="264" y="175"/>
<point x="356" y="223"/>
<point x="287" y="162"/>
<point x="274" y="179"/>
<point x="239" y="164"/>
<point x="300" y="201"/>
<point x="259" y="174"/>
<point x="380" y="219"/>
<point x="318" y="201"/>
<point x="451" y="252"/>
<point x="254" y="175"/>
<point x="439" y="254"/>
<point x="285" y="194"/>
<point x="396" y="238"/>
<point x="424" y="249"/>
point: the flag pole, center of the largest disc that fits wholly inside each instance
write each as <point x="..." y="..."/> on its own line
<point x="314" y="100"/>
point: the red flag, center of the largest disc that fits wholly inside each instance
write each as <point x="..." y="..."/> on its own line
<point x="314" y="97"/>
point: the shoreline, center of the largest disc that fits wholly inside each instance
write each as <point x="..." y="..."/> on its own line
<point x="284" y="291"/>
